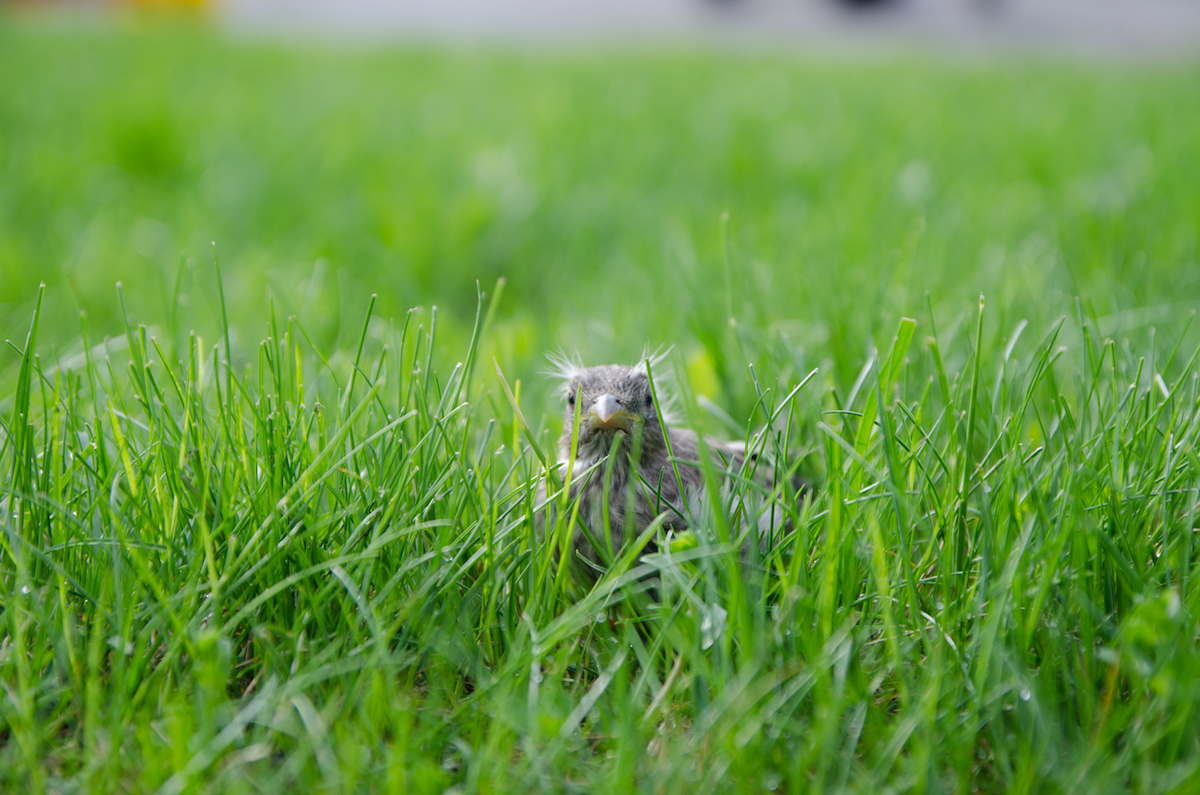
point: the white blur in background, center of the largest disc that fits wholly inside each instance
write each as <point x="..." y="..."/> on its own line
<point x="1137" y="27"/>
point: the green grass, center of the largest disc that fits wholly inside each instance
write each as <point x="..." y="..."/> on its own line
<point x="312" y="563"/>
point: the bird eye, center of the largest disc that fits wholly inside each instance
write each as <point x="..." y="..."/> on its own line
<point x="649" y="400"/>
<point x="571" y="399"/>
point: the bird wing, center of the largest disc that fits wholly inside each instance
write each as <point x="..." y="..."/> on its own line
<point x="685" y="444"/>
<point x="732" y="455"/>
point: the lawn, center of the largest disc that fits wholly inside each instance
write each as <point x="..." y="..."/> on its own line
<point x="269" y="516"/>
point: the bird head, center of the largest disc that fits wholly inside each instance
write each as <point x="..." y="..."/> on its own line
<point x="609" y="399"/>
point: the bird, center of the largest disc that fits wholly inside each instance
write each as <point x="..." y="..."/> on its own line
<point x="636" y="464"/>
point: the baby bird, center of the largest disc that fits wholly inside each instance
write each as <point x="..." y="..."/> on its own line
<point x="617" y="414"/>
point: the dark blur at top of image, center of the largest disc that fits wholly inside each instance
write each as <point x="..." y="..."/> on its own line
<point x="1108" y="27"/>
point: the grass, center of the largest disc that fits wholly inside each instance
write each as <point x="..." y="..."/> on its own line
<point x="312" y="563"/>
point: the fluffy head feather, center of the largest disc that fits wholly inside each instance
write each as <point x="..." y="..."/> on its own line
<point x="564" y="366"/>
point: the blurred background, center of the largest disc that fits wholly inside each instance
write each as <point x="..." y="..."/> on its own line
<point x="638" y="172"/>
<point x="1114" y="25"/>
<point x="1072" y="24"/>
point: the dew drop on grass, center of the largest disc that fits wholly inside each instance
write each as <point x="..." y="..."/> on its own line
<point x="25" y="589"/>
<point x="1025" y="694"/>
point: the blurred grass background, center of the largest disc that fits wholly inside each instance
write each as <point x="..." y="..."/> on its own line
<point x="594" y="181"/>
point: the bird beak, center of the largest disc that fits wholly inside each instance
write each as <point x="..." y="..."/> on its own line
<point x="606" y="413"/>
